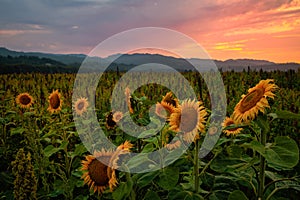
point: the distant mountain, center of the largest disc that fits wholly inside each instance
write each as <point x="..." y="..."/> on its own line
<point x="126" y="62"/>
<point x="67" y="59"/>
<point x="202" y="64"/>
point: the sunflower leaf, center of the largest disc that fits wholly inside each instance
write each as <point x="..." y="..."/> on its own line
<point x="148" y="133"/>
<point x="284" y="114"/>
<point x="123" y="190"/>
<point x="18" y="130"/>
<point x="168" y="178"/>
<point x="147" y="178"/>
<point x="237" y="194"/>
<point x="50" y="150"/>
<point x="151" y="195"/>
<point x="283" y="154"/>
<point x="234" y="126"/>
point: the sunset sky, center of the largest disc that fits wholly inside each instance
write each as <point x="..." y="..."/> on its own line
<point x="227" y="29"/>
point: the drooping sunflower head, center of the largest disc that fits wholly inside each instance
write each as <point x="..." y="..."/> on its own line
<point x="81" y="105"/>
<point x="110" y="123"/>
<point x="169" y="99"/>
<point x="234" y="131"/>
<point x="117" y="116"/>
<point x="117" y="158"/>
<point x="98" y="176"/>
<point x="24" y="100"/>
<point x="99" y="168"/>
<point x="253" y="102"/>
<point x="55" y="102"/>
<point x="189" y="118"/>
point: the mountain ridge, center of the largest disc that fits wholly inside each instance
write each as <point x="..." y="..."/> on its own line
<point x="181" y="64"/>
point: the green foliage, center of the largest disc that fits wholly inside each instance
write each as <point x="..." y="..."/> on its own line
<point x="230" y="171"/>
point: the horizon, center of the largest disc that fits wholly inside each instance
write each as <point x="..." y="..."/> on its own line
<point x="151" y="53"/>
<point x="268" y="30"/>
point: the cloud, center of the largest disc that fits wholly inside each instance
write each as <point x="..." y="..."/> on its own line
<point x="79" y="25"/>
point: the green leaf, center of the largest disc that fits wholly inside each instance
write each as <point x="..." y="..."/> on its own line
<point x="185" y="195"/>
<point x="79" y="150"/>
<point x="150" y="195"/>
<point x="237" y="194"/>
<point x="148" y="133"/>
<point x="139" y="161"/>
<point x="50" y="134"/>
<point x="168" y="178"/>
<point x="255" y="145"/>
<point x="18" y="130"/>
<point x="63" y="145"/>
<point x="123" y="190"/>
<point x="284" y="114"/>
<point x="234" y="151"/>
<point x="233" y="126"/>
<point x="225" y="164"/>
<point x="152" y="140"/>
<point x="147" y="178"/>
<point x="50" y="150"/>
<point x="8" y="113"/>
<point x="283" y="153"/>
<point x="272" y="175"/>
<point x="148" y="148"/>
<point x="172" y="156"/>
<point x="28" y="114"/>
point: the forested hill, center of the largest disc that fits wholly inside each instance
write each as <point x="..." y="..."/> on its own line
<point x="27" y="64"/>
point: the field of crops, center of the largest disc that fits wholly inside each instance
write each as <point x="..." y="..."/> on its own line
<point x="42" y="155"/>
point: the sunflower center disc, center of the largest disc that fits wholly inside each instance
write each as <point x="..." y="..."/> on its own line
<point x="25" y="100"/>
<point x="188" y="120"/>
<point x="55" y="101"/>
<point x="80" y="106"/>
<point x="98" y="173"/>
<point x="251" y="99"/>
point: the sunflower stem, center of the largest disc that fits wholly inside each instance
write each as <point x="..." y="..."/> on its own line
<point x="262" y="166"/>
<point x="196" y="166"/>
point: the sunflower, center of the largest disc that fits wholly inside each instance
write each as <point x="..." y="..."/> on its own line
<point x="98" y="176"/>
<point x="81" y="105"/>
<point x="233" y="131"/>
<point x="110" y="123"/>
<point x="167" y="106"/>
<point x="128" y="99"/>
<point x="170" y="100"/>
<point x="55" y="102"/>
<point x="253" y="102"/>
<point x="188" y="118"/>
<point x="24" y="100"/>
<point x="117" y="116"/>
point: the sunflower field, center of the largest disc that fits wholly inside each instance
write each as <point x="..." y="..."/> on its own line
<point x="43" y="156"/>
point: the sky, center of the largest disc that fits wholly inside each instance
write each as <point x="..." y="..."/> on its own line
<point x="226" y="29"/>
